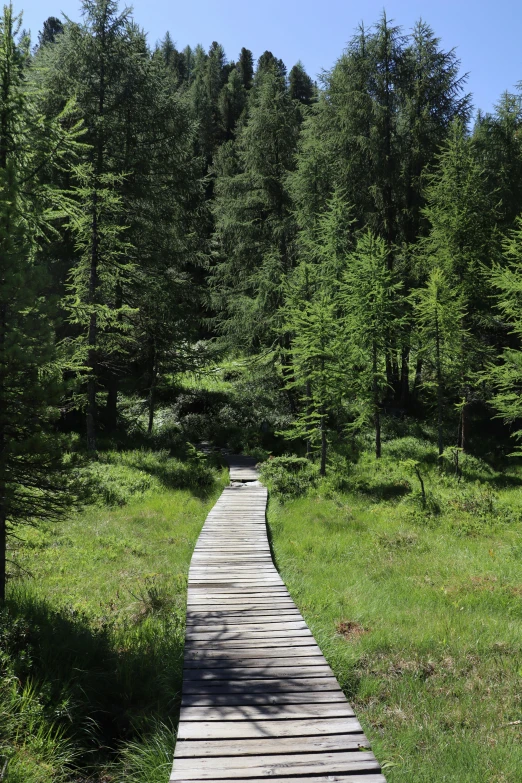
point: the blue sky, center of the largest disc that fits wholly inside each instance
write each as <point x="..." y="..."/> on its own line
<point x="486" y="34"/>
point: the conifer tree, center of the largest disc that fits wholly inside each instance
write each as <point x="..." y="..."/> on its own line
<point x="316" y="359"/>
<point x="31" y="478"/>
<point x="143" y="178"/>
<point x="463" y="241"/>
<point x="369" y="297"/>
<point x="245" y="67"/>
<point x="506" y="376"/>
<point x="300" y="85"/>
<point x="232" y="101"/>
<point x="255" y="229"/>
<point x="497" y="141"/>
<point x="439" y="319"/>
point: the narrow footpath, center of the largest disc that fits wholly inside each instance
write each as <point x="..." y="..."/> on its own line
<point x="259" y="699"/>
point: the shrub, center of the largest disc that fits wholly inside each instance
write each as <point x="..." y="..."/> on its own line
<point x="289" y="476"/>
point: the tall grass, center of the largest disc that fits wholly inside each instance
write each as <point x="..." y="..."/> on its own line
<point x="418" y="610"/>
<point x="91" y="643"/>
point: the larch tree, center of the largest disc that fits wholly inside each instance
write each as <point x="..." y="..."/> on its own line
<point x="506" y="375"/>
<point x="438" y="316"/>
<point x="31" y="468"/>
<point x="371" y="317"/>
<point x="255" y="228"/>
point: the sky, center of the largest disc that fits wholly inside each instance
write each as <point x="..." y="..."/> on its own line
<point x="486" y="34"/>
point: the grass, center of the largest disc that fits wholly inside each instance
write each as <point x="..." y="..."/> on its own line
<point x="91" y="644"/>
<point x="419" y="612"/>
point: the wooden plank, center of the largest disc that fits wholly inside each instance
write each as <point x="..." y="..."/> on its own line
<point x="243" y="698"/>
<point x="330" y="778"/>
<point x="264" y="685"/>
<point x="266" y="672"/>
<point x="262" y="747"/>
<point x="260" y="713"/>
<point x="245" y="628"/>
<point x="259" y="699"/>
<point x="257" y="729"/>
<point x="252" y="635"/>
<point x="278" y="641"/>
<point x="213" y="665"/>
<point x="267" y="766"/>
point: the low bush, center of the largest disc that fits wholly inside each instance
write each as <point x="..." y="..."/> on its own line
<point x="289" y="476"/>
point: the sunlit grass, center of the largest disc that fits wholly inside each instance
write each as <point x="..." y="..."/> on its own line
<point x="419" y="614"/>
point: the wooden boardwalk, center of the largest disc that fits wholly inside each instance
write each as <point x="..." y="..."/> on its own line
<point x="259" y="700"/>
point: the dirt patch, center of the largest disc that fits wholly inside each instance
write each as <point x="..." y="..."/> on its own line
<point x="350" y="630"/>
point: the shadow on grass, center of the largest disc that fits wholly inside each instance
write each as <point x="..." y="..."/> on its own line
<point x="103" y="685"/>
<point x="383" y="490"/>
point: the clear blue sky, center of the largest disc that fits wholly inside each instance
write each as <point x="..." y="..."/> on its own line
<point x="486" y="33"/>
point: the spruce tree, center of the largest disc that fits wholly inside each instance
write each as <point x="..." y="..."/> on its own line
<point x="245" y="67"/>
<point x="300" y="85"/>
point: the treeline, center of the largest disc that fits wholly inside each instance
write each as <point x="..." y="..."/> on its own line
<point x="356" y="232"/>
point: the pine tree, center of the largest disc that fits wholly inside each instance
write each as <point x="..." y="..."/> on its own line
<point x="143" y="177"/>
<point x="232" y="101"/>
<point x="268" y="62"/>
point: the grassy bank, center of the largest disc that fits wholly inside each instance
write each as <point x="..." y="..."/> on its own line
<point x="419" y="611"/>
<point x="91" y="641"/>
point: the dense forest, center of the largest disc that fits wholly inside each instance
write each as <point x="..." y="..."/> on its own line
<point x="355" y="241"/>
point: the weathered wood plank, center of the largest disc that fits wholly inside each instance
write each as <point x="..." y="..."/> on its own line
<point x="245" y="767"/>
<point x="243" y="698"/>
<point x="334" y="778"/>
<point x="274" y="712"/>
<point x="262" y="747"/>
<point x="257" y="729"/>
<point x="259" y="699"/>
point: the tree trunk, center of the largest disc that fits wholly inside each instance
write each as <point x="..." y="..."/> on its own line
<point x="287" y="369"/>
<point x="153" y="375"/>
<point x="439" y="386"/>
<point x="93" y="272"/>
<point x="377" y="413"/>
<point x="3" y="547"/>
<point x="111" y="407"/>
<point x="3" y="515"/>
<point x="93" y="329"/>
<point x="418" y="379"/>
<point x="322" y="470"/>
<point x="464" y="427"/>
<point x="309" y="404"/>
<point x="405" y="377"/>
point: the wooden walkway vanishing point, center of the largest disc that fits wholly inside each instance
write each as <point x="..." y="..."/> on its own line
<point x="259" y="700"/>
